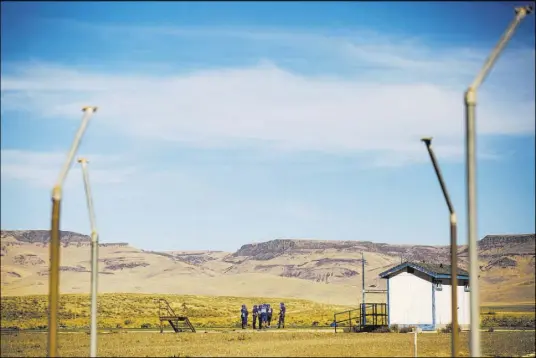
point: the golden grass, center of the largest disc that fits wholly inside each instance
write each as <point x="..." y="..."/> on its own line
<point x="273" y="344"/>
<point x="135" y="310"/>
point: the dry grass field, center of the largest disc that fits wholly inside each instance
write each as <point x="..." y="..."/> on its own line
<point x="137" y="310"/>
<point x="266" y="344"/>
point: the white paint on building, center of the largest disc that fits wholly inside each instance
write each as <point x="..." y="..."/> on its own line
<point x="410" y="299"/>
<point x="443" y="306"/>
<point x="422" y="298"/>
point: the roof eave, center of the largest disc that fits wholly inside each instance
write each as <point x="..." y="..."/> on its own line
<point x="460" y="277"/>
<point x="388" y="273"/>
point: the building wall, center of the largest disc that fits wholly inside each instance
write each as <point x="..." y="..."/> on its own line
<point x="443" y="304"/>
<point x="464" y="316"/>
<point x="410" y="299"/>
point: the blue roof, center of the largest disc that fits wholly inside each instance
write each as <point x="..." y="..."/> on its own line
<point x="434" y="270"/>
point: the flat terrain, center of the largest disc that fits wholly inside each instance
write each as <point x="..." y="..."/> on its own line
<point x="288" y="344"/>
<point x="134" y="311"/>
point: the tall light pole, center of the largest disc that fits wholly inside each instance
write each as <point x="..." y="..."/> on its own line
<point x="54" y="277"/>
<point x="470" y="139"/>
<point x="94" y="257"/>
<point x="453" y="252"/>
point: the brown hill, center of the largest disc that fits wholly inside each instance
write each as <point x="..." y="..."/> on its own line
<point x="325" y="271"/>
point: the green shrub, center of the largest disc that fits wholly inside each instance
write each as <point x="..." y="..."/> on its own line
<point x="448" y="328"/>
<point x="383" y="329"/>
<point x="405" y="330"/>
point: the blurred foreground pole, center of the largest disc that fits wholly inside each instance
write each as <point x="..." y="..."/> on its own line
<point x="54" y="277"/>
<point x="453" y="253"/>
<point x="470" y="162"/>
<point x="363" y="306"/>
<point x="415" y="342"/>
<point x="94" y="258"/>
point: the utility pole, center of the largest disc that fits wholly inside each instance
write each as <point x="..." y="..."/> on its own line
<point x="470" y="168"/>
<point x="363" y="307"/>
<point x="94" y="258"/>
<point x="453" y="251"/>
<point x="54" y="275"/>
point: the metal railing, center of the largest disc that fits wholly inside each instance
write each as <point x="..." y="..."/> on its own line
<point x="368" y="315"/>
<point x="164" y="307"/>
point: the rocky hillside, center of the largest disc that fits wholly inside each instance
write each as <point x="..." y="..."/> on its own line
<point x="43" y="237"/>
<point x="329" y="271"/>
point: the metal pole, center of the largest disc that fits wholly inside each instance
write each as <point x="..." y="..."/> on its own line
<point x="470" y="162"/>
<point x="94" y="257"/>
<point x="54" y="280"/>
<point x="415" y="341"/>
<point x="453" y="252"/>
<point x="363" y="308"/>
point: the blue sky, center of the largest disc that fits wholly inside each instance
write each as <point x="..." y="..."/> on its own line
<point x="221" y="124"/>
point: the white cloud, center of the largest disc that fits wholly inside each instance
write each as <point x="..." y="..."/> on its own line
<point x="42" y="168"/>
<point x="376" y="113"/>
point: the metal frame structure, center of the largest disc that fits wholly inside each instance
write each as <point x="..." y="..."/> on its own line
<point x="455" y="339"/>
<point x="94" y="257"/>
<point x="54" y="277"/>
<point x="377" y="312"/>
<point x="470" y="162"/>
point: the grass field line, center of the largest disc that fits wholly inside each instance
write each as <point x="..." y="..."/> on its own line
<point x="267" y="344"/>
<point x="228" y="330"/>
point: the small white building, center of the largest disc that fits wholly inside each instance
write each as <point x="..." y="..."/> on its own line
<point x="419" y="294"/>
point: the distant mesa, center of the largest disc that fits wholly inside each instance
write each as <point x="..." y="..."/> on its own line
<point x="289" y="267"/>
<point x="43" y="237"/>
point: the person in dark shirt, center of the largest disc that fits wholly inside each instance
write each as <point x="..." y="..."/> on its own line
<point x="282" y="311"/>
<point x="259" y="315"/>
<point x="269" y="313"/>
<point x="244" y="316"/>
<point x="254" y="311"/>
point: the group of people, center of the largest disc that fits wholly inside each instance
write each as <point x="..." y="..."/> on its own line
<point x="262" y="314"/>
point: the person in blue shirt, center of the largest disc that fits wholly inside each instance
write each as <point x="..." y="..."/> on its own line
<point x="282" y="311"/>
<point x="254" y="311"/>
<point x="264" y="311"/>
<point x="244" y="316"/>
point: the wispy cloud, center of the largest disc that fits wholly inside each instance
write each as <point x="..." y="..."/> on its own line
<point x="408" y="90"/>
<point x="42" y="168"/>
